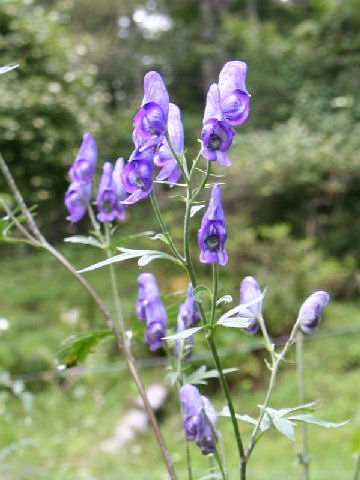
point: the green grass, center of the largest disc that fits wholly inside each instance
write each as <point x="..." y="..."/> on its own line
<point x="72" y="417"/>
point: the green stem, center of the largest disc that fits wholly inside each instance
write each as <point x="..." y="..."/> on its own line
<point x="164" y="227"/>
<point x="357" y="467"/>
<point x="215" y="289"/>
<point x="305" y="457"/>
<point x="274" y="369"/>
<point x="203" y="182"/>
<point x="218" y="461"/>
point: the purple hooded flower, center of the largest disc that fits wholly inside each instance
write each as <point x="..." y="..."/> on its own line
<point x="250" y="291"/>
<point x="212" y="234"/>
<point x="106" y="196"/>
<point x="151" y="120"/>
<point x="200" y="422"/>
<point x="311" y="310"/>
<point x="151" y="310"/>
<point x="163" y="155"/>
<point x="76" y="198"/>
<point x="217" y="133"/>
<point x="83" y="168"/>
<point x="188" y="317"/>
<point x="234" y="97"/>
<point x="120" y="190"/>
<point x="137" y="176"/>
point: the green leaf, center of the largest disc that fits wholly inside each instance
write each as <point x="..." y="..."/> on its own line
<point x="120" y="241"/>
<point x="184" y="334"/>
<point x="242" y="309"/>
<point x="160" y="236"/>
<point x="234" y="322"/>
<point x="201" y="290"/>
<point x="243" y="418"/>
<point x="76" y="348"/>
<point x="145" y="257"/>
<point x="179" y="197"/>
<point x="196" y="208"/>
<point x="85" y="240"/>
<point x="308" y="418"/>
<point x="8" y="68"/>
<point x="202" y="374"/>
<point x="224" y="299"/>
<point x="284" y="426"/>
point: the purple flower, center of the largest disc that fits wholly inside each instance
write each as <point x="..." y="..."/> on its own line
<point x="188" y="316"/>
<point x="163" y="155"/>
<point x="137" y="176"/>
<point x="106" y="197"/>
<point x="234" y="97"/>
<point x="217" y="133"/>
<point x="120" y="190"/>
<point x="76" y="199"/>
<point x="250" y="291"/>
<point x="83" y="168"/>
<point x="150" y="309"/>
<point x="150" y="122"/>
<point x="311" y="310"/>
<point x="212" y="234"/>
<point x="200" y="421"/>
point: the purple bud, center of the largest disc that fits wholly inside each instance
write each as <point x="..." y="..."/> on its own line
<point x="106" y="196"/>
<point x="200" y="421"/>
<point x="120" y="190"/>
<point x="163" y="156"/>
<point x="250" y="291"/>
<point x="151" y="310"/>
<point x="212" y="234"/>
<point x="83" y="168"/>
<point x="150" y="122"/>
<point x="217" y="133"/>
<point x="311" y="310"/>
<point x="76" y="199"/>
<point x="137" y="176"/>
<point x="234" y="97"/>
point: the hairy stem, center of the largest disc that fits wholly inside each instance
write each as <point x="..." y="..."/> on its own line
<point x="305" y="458"/>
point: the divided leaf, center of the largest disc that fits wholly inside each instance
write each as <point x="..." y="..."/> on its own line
<point x="76" y="348"/>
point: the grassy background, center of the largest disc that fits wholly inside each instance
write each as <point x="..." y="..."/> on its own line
<point x="72" y="416"/>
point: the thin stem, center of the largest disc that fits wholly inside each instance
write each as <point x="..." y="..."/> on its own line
<point x="178" y="160"/>
<point x="215" y="289"/>
<point x="203" y="182"/>
<point x="113" y="282"/>
<point x="218" y="461"/>
<point x="305" y="457"/>
<point x="230" y="405"/>
<point x="357" y="467"/>
<point x="29" y="237"/>
<point x="275" y="366"/>
<point x="163" y="226"/>
<point x="124" y="346"/>
<point x="94" y="223"/>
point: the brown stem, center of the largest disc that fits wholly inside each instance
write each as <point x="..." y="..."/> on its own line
<point x="122" y="345"/>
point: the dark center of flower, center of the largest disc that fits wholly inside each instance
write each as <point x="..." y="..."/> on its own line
<point x="214" y="142"/>
<point x="139" y="183"/>
<point x="213" y="242"/>
<point x="107" y="206"/>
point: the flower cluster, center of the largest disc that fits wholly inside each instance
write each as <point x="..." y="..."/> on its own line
<point x="150" y="309"/>
<point x="227" y="104"/>
<point x="200" y="423"/>
<point x="188" y="317"/>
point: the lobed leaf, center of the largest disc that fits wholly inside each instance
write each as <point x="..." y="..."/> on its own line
<point x="77" y="347"/>
<point x="184" y="334"/>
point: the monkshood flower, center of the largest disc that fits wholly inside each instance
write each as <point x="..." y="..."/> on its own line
<point x="311" y="310"/>
<point x="76" y="199"/>
<point x="163" y="155"/>
<point x="200" y="422"/>
<point x="234" y="98"/>
<point x="217" y="133"/>
<point x="137" y="176"/>
<point x="120" y="190"/>
<point x="106" y="196"/>
<point x="151" y="310"/>
<point x="188" y="317"/>
<point x="83" y="168"/>
<point x="212" y="234"/>
<point x="151" y="120"/>
<point x="250" y="291"/>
